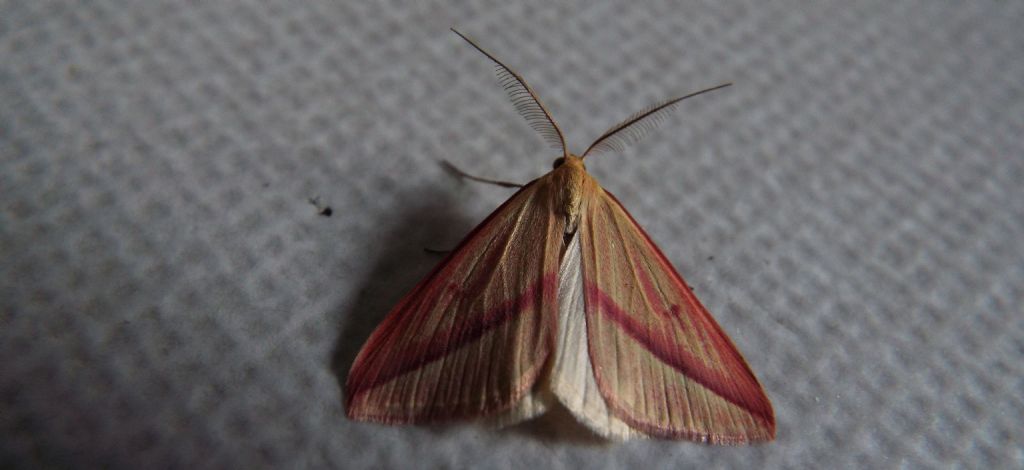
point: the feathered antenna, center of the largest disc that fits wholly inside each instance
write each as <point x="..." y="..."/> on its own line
<point x="639" y="125"/>
<point x="525" y="100"/>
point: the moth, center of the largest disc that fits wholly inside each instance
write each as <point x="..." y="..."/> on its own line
<point x="559" y="298"/>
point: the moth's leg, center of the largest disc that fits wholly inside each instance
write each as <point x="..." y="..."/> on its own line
<point x="448" y="166"/>
<point x="462" y="174"/>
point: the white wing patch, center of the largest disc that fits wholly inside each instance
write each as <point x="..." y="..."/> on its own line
<point x="530" y="406"/>
<point x="572" y="376"/>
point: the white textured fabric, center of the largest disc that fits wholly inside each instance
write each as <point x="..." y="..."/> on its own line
<point x="851" y="212"/>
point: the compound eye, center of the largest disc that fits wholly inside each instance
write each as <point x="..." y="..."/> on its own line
<point x="558" y="162"/>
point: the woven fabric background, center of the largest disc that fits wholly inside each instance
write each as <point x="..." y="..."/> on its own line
<point x="851" y="211"/>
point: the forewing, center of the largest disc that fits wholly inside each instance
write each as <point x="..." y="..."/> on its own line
<point x="661" y="362"/>
<point x="572" y="375"/>
<point x="471" y="339"/>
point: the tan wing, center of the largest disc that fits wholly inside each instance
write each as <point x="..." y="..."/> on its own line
<point x="471" y="339"/>
<point x="572" y="375"/>
<point x="662" y="363"/>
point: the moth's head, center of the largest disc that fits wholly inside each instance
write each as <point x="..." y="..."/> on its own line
<point x="571" y="160"/>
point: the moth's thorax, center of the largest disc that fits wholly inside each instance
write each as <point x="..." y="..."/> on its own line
<point x="569" y="178"/>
